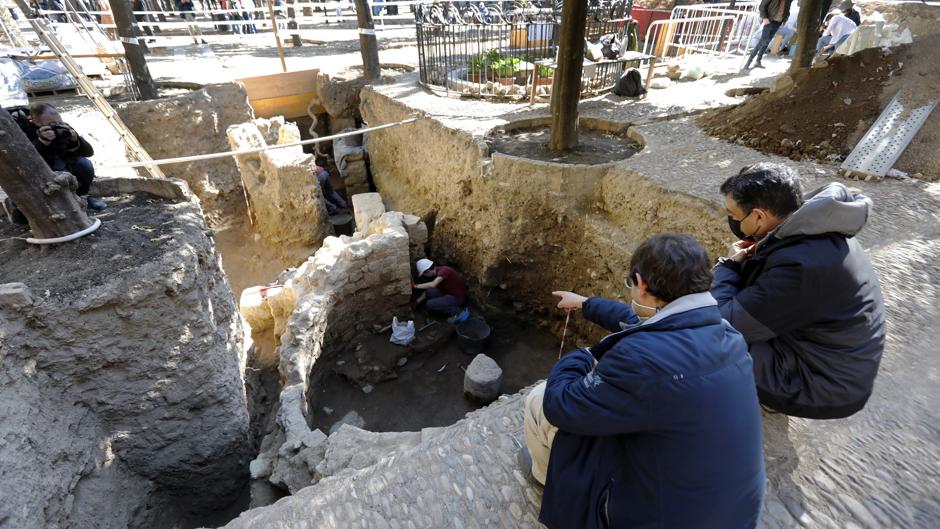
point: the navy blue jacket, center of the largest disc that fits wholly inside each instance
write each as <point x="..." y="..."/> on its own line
<point x="662" y="431"/>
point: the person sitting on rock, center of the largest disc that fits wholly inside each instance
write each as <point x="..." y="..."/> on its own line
<point x="837" y="31"/>
<point x="61" y="147"/>
<point x="802" y="291"/>
<point x="658" y="424"/>
<point x="446" y="294"/>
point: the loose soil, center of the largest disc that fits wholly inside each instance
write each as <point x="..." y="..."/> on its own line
<point x="428" y="390"/>
<point x="827" y="110"/>
<point x="135" y="229"/>
<point x="815" y="119"/>
<point x="594" y="147"/>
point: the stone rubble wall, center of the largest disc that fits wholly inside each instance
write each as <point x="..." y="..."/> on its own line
<point x="191" y="124"/>
<point x="347" y="286"/>
<point x="124" y="389"/>
<point x="286" y="200"/>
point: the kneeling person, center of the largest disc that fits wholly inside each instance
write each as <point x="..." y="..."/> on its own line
<point x="446" y="294"/>
<point x="658" y="424"/>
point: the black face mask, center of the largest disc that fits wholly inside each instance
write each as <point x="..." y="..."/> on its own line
<point x="735" y="226"/>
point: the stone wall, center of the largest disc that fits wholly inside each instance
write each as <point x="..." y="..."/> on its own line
<point x="190" y="124"/>
<point x="350" y="284"/>
<point x="121" y="387"/>
<point x="286" y="200"/>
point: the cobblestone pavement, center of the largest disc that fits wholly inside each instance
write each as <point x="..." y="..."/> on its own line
<point x="877" y="469"/>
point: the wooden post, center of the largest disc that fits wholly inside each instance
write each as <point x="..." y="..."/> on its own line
<point x="566" y="88"/>
<point x="368" y="45"/>
<point x="277" y="37"/>
<point x="807" y="34"/>
<point x="133" y="49"/>
<point x="47" y="199"/>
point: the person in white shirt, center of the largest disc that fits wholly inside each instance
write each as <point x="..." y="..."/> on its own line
<point x="838" y="29"/>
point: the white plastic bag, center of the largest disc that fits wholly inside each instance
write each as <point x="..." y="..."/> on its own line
<point x="402" y="333"/>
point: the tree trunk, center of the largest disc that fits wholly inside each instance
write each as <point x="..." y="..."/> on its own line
<point x="133" y="49"/>
<point x="47" y="199"/>
<point x="566" y="90"/>
<point x="807" y="34"/>
<point x="368" y="45"/>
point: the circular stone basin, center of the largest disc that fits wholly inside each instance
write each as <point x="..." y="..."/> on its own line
<point x="599" y="141"/>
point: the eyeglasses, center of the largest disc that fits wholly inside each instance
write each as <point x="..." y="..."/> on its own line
<point x="630" y="281"/>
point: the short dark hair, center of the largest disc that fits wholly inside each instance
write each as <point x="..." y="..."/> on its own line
<point x="38" y="109"/>
<point x="771" y="186"/>
<point x="672" y="265"/>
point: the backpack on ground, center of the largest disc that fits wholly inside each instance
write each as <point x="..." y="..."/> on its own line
<point x="630" y="84"/>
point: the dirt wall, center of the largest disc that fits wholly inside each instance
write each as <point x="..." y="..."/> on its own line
<point x="519" y="229"/>
<point x="121" y="370"/>
<point x="190" y="124"/>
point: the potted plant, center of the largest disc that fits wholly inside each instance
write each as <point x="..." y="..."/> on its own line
<point x="506" y="69"/>
<point x="476" y="68"/>
<point x="545" y="75"/>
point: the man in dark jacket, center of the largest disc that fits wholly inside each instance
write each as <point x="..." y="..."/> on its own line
<point x="805" y="296"/>
<point x="657" y="425"/>
<point x="773" y="14"/>
<point x="60" y="146"/>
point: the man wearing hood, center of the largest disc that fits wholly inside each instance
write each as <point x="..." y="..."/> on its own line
<point x="802" y="291"/>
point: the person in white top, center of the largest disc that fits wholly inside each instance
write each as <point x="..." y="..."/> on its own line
<point x="838" y="29"/>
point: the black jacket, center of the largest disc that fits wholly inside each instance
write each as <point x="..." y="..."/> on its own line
<point x="53" y="151"/>
<point x="769" y="7"/>
<point x="809" y="305"/>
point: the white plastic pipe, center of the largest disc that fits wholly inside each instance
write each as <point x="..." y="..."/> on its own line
<point x="66" y="238"/>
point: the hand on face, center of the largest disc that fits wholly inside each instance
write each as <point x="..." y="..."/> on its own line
<point x="46" y="134"/>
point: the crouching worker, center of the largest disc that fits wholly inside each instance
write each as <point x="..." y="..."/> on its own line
<point x="658" y="424"/>
<point x="446" y="293"/>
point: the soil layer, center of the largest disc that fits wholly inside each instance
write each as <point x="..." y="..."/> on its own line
<point x="428" y="391"/>
<point x="594" y="147"/>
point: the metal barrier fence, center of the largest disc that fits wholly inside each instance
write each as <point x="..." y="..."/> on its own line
<point x="508" y="48"/>
<point x="712" y="29"/>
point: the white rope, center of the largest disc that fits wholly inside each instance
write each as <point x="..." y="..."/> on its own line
<point x="66" y="238"/>
<point x="198" y="157"/>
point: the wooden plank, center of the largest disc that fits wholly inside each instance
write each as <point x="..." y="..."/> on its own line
<point x="292" y="106"/>
<point x="281" y="84"/>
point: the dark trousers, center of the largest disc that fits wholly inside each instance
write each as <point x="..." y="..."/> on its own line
<point x="79" y="166"/>
<point x="767" y="34"/>
<point x="444" y="303"/>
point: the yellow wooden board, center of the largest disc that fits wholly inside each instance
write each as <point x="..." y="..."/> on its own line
<point x="293" y="106"/>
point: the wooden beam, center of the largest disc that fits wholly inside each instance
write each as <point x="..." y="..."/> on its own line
<point x="277" y="37"/>
<point x="566" y="88"/>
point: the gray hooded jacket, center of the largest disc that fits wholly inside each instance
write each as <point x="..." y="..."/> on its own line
<point x="809" y="306"/>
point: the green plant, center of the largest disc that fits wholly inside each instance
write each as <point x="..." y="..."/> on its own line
<point x="506" y="67"/>
<point x="493" y="56"/>
<point x="476" y="64"/>
<point x="546" y="72"/>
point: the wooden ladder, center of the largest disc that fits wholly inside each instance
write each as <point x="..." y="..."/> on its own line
<point x="134" y="148"/>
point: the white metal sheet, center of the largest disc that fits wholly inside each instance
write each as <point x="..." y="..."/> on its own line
<point x="887" y="138"/>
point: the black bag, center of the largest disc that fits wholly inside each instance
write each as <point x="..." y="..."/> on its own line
<point x="630" y="84"/>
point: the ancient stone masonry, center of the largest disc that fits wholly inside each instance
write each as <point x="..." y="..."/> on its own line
<point x="191" y="124"/>
<point x="121" y="379"/>
<point x="350" y="284"/>
<point x="286" y="200"/>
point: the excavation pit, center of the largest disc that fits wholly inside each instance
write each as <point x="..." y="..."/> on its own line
<point x="426" y="390"/>
<point x="599" y="141"/>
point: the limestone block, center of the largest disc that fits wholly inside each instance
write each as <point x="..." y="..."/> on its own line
<point x="15" y="296"/>
<point x="483" y="379"/>
<point x="367" y="207"/>
<point x="353" y="448"/>
<point x="339" y="124"/>
<point x="254" y="308"/>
